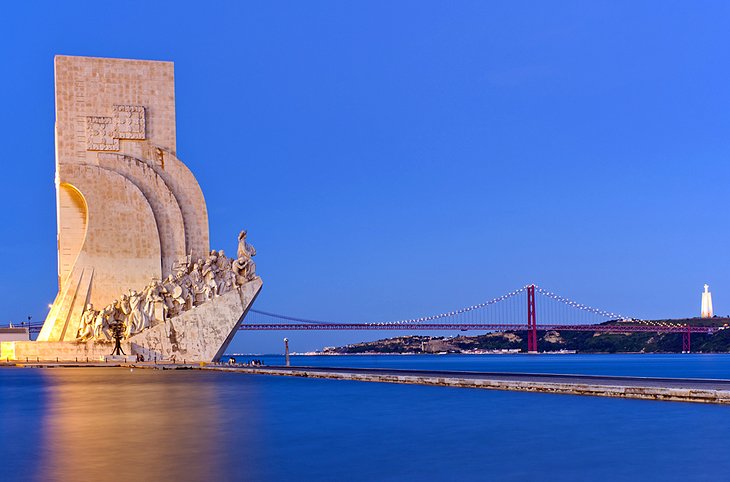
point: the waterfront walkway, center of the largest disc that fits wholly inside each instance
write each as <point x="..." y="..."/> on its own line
<point x="666" y="389"/>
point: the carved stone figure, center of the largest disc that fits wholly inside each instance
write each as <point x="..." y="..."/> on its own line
<point x="223" y="263"/>
<point x="137" y="318"/>
<point x="213" y="257"/>
<point x="101" y="324"/>
<point x="86" y="326"/>
<point x="186" y="292"/>
<point x="209" y="272"/>
<point x="116" y="315"/>
<point x="172" y="293"/>
<point x="154" y="303"/>
<point x="192" y="285"/>
<point x="247" y="251"/>
<point x="228" y="282"/>
<point x="198" y="285"/>
<point x="239" y="270"/>
<point x="126" y="310"/>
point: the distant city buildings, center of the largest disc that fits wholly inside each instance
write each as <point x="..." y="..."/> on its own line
<point x="706" y="303"/>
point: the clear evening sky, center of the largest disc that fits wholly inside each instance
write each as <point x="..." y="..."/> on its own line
<point x="399" y="158"/>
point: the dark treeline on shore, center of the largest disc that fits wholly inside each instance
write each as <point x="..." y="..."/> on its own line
<point x="579" y="341"/>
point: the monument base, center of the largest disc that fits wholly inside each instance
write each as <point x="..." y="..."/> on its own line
<point x="65" y="351"/>
<point x="201" y="334"/>
<point x="121" y="358"/>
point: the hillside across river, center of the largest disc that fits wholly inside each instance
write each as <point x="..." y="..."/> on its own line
<point x="715" y="341"/>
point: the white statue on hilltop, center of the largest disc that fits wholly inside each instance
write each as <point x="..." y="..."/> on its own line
<point x="706" y="311"/>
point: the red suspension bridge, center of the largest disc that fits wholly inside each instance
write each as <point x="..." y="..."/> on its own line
<point x="530" y="308"/>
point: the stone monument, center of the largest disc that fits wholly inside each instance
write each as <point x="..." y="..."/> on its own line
<point x="706" y="310"/>
<point x="133" y="242"/>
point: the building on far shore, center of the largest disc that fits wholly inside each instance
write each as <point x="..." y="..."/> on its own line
<point x="14" y="334"/>
<point x="706" y="303"/>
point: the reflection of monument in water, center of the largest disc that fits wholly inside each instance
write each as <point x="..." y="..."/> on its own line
<point x="706" y="311"/>
<point x="142" y="425"/>
<point x="133" y="245"/>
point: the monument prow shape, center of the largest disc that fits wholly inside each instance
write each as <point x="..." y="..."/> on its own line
<point x="133" y="238"/>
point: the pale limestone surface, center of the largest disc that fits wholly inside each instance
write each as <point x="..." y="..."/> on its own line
<point x="128" y="208"/>
<point x="192" y="285"/>
<point x="50" y="351"/>
<point x="14" y="334"/>
<point x="130" y="215"/>
<point x="201" y="334"/>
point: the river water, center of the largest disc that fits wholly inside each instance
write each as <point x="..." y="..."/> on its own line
<point x="118" y="424"/>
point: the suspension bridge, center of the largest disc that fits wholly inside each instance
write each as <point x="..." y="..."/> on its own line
<point x="528" y="309"/>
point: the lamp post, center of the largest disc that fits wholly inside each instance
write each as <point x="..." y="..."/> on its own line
<point x="286" y="350"/>
<point x="117" y="335"/>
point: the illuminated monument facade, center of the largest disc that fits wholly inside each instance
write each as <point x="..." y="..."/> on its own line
<point x="706" y="311"/>
<point x="133" y="241"/>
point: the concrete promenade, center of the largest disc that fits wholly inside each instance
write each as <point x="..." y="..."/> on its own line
<point x="666" y="389"/>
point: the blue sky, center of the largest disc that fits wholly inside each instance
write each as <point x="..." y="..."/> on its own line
<point x="399" y="158"/>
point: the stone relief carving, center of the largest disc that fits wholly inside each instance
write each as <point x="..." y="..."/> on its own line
<point x="100" y="135"/>
<point x="103" y="133"/>
<point x="130" y="121"/>
<point x="86" y="326"/>
<point x="193" y="284"/>
<point x="244" y="266"/>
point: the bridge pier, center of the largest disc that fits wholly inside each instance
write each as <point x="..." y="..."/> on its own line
<point x="687" y="340"/>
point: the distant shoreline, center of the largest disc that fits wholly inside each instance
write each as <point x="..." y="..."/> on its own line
<point x="471" y="354"/>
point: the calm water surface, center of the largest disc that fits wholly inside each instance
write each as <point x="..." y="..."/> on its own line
<point x="115" y="424"/>
<point x="683" y="366"/>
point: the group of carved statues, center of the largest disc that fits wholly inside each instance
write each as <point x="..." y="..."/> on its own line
<point x="192" y="284"/>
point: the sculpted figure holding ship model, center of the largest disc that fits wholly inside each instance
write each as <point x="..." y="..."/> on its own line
<point x="246" y="268"/>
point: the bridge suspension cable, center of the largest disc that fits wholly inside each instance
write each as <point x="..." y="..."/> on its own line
<point x="579" y="306"/>
<point x="505" y="310"/>
<point x="407" y="321"/>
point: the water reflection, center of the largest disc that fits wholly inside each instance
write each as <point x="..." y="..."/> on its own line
<point x="135" y="425"/>
<point x="112" y="424"/>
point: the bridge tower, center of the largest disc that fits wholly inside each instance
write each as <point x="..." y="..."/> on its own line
<point x="687" y="340"/>
<point x="531" y="321"/>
